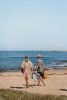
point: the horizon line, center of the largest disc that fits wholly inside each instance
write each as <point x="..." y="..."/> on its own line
<point x="36" y="50"/>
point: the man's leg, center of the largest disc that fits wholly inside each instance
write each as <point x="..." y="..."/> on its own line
<point x="42" y="81"/>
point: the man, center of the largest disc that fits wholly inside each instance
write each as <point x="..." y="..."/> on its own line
<point x="40" y="69"/>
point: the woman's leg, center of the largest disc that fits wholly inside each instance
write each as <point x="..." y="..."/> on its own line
<point x="27" y="83"/>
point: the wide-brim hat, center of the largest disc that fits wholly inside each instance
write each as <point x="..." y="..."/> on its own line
<point x="39" y="56"/>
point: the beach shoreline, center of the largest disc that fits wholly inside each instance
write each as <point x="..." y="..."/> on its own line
<point x="56" y="83"/>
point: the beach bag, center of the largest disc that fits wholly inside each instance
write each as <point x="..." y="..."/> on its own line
<point x="45" y="76"/>
<point x="22" y="70"/>
<point x="34" y="77"/>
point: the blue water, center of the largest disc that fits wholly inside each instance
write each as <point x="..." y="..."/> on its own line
<point x="11" y="60"/>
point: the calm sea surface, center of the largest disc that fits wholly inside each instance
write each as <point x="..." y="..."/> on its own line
<point x="11" y="60"/>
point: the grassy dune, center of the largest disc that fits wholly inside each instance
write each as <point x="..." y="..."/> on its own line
<point x="16" y="95"/>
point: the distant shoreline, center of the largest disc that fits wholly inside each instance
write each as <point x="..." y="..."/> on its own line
<point x="35" y="50"/>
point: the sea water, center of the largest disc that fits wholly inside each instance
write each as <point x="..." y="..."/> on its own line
<point x="12" y="60"/>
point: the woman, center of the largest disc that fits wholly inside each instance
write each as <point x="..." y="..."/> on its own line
<point x="40" y="69"/>
<point x="27" y="69"/>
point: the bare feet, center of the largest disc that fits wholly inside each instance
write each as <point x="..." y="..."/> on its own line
<point x="38" y="85"/>
<point x="44" y="85"/>
<point x="27" y="86"/>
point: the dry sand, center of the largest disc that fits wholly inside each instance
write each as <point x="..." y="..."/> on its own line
<point x="56" y="82"/>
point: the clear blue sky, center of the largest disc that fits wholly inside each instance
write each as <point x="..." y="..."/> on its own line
<point x="33" y="24"/>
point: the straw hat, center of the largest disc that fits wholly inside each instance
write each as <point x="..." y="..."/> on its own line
<point x="39" y="56"/>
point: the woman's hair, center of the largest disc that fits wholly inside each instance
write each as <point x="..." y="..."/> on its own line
<point x="26" y="57"/>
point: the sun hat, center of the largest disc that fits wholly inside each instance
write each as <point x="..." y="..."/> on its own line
<point x="39" y="56"/>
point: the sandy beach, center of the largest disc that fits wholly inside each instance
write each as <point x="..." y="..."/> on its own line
<point x="56" y="82"/>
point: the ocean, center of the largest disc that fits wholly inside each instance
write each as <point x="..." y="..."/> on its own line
<point x="12" y="60"/>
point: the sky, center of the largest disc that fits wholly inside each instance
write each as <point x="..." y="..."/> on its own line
<point x="33" y="25"/>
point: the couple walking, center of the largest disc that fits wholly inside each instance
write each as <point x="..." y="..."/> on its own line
<point x="28" y="70"/>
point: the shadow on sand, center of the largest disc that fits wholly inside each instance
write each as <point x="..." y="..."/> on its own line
<point x="24" y="87"/>
<point x="63" y="89"/>
<point x="17" y="87"/>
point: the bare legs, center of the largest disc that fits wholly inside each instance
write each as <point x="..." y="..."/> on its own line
<point x="40" y="79"/>
<point x="26" y="80"/>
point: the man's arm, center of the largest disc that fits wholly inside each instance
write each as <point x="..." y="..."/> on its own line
<point x="37" y="65"/>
